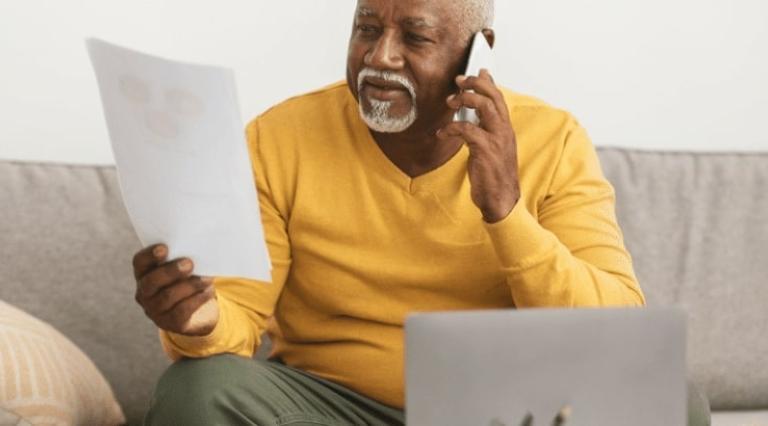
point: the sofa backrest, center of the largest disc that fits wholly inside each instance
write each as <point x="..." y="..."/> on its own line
<point x="696" y="225"/>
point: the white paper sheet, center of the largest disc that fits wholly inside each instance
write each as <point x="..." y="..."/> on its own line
<point x="182" y="160"/>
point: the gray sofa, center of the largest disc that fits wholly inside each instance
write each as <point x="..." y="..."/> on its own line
<point x="696" y="225"/>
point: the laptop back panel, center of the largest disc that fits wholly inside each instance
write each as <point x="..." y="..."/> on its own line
<point x="610" y="366"/>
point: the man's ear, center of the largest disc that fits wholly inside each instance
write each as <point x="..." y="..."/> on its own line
<point x="490" y="36"/>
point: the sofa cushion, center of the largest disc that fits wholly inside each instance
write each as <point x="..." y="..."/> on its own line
<point x="48" y="380"/>
<point x="740" y="418"/>
<point x="66" y="256"/>
<point x="696" y="225"/>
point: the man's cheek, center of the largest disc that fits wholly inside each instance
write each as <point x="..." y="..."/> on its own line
<point x="352" y="74"/>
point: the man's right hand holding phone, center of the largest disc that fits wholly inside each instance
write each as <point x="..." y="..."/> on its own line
<point x="172" y="297"/>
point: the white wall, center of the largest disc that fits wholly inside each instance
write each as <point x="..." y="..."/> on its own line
<point x="672" y="74"/>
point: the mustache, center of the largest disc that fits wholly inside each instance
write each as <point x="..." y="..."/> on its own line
<point x="387" y="76"/>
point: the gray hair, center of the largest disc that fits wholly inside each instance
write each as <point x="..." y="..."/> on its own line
<point x="475" y="15"/>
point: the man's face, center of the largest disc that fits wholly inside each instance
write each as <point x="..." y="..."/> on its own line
<point x="403" y="56"/>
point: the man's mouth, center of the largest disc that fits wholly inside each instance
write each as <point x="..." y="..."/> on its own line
<point x="382" y="84"/>
<point x="384" y="90"/>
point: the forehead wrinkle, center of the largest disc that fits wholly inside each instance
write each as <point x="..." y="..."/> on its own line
<point x="417" y="23"/>
<point x="410" y="21"/>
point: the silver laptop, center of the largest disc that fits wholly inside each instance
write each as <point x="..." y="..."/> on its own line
<point x="542" y="367"/>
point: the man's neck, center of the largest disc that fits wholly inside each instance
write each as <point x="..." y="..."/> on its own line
<point x="417" y="150"/>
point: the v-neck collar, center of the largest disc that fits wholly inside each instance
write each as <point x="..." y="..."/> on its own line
<point x="443" y="174"/>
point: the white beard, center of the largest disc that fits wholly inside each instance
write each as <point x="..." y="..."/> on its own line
<point x="379" y="118"/>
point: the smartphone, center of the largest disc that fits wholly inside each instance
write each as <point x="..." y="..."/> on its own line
<point x="480" y="56"/>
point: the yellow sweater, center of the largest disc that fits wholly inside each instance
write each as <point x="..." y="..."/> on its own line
<point x="356" y="244"/>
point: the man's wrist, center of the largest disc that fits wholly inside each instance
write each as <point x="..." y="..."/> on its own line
<point x="498" y="214"/>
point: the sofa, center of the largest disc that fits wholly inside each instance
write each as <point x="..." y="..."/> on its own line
<point x="696" y="225"/>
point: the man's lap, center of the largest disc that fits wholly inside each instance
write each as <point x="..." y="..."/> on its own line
<point x="229" y="389"/>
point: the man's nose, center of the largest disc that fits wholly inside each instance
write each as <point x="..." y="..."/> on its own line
<point x="385" y="54"/>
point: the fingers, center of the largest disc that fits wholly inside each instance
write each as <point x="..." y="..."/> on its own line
<point x="148" y="258"/>
<point x="169" y="293"/>
<point x="170" y="296"/>
<point x="484" y="106"/>
<point x="164" y="275"/>
<point x="484" y="86"/>
<point x="473" y="135"/>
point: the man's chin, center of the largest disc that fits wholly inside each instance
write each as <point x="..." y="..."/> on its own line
<point x="387" y="123"/>
<point x="375" y="128"/>
<point x="393" y="110"/>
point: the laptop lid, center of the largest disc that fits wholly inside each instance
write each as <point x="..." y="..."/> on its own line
<point x="521" y="367"/>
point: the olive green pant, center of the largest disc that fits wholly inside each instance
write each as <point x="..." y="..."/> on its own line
<point x="232" y="390"/>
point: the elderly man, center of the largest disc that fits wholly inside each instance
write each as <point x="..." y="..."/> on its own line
<point x="376" y="204"/>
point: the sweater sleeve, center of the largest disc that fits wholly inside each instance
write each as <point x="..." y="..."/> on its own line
<point x="245" y="305"/>
<point x="573" y="253"/>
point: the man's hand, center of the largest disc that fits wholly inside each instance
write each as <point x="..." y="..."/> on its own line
<point x="492" y="146"/>
<point x="170" y="294"/>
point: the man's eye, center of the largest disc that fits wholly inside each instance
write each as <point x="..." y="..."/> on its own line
<point x="368" y="29"/>
<point x="416" y="38"/>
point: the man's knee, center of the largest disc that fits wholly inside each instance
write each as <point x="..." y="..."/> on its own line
<point x="201" y="391"/>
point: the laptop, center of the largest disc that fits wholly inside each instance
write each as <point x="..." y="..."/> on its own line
<point x="542" y="367"/>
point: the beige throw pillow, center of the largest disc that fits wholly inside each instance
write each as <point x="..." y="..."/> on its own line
<point x="46" y="379"/>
